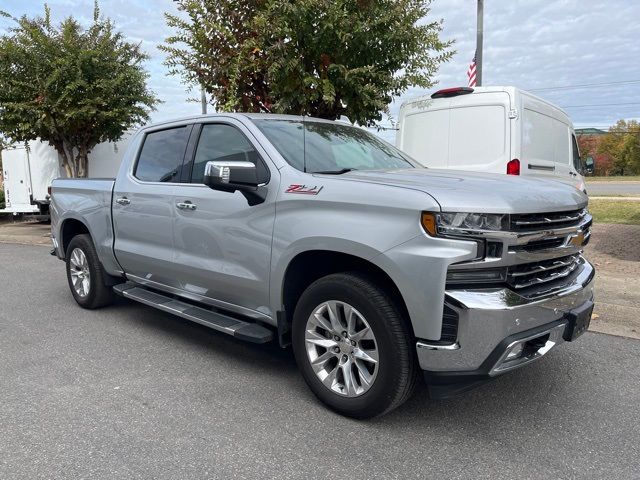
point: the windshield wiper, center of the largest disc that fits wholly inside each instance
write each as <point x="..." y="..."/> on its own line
<point x="337" y="172"/>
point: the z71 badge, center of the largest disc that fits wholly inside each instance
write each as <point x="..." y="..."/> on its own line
<point x="303" y="189"/>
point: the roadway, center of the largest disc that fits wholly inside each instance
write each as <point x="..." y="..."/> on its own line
<point x="613" y="188"/>
<point x="128" y="392"/>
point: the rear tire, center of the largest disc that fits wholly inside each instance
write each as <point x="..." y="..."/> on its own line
<point x="85" y="274"/>
<point x="364" y="364"/>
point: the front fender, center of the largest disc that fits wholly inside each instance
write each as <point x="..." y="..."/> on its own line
<point x="419" y="270"/>
<point x="331" y="244"/>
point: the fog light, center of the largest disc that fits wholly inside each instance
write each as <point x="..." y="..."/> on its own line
<point x="515" y="352"/>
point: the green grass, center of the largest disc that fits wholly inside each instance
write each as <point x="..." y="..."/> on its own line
<point x="615" y="211"/>
<point x="626" y="178"/>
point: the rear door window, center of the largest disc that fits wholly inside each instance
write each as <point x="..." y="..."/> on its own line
<point x="477" y="136"/>
<point x="425" y="136"/>
<point x="162" y="154"/>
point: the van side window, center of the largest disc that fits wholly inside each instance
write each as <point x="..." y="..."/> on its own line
<point x="577" y="163"/>
<point x="545" y="139"/>
<point x="161" y="155"/>
<point x="223" y="143"/>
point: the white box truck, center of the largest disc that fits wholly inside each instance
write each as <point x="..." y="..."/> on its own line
<point x="29" y="171"/>
<point x="491" y="129"/>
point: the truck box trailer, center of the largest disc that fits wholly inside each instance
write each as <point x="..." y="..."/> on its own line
<point x="29" y="170"/>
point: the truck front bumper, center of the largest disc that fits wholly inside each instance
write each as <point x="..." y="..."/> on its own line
<point x="499" y="330"/>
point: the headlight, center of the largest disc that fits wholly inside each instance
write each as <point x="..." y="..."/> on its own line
<point x="456" y="224"/>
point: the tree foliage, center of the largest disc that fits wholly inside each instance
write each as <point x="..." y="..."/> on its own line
<point x="588" y="145"/>
<point x="623" y="144"/>
<point x="70" y="86"/>
<point x="325" y="58"/>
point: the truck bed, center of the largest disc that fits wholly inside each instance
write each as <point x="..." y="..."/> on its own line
<point x="87" y="200"/>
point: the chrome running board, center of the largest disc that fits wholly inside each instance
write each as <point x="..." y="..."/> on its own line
<point x="250" y="332"/>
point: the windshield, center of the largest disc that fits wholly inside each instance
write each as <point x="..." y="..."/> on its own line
<point x="330" y="147"/>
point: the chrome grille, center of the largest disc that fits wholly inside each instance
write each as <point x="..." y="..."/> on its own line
<point x="549" y="225"/>
<point x="540" y="254"/>
<point x="543" y="221"/>
<point x="544" y="244"/>
<point x="538" y="273"/>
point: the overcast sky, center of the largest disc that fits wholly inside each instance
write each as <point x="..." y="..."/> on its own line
<point x="532" y="44"/>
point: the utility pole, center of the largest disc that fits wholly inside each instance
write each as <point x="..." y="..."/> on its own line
<point x="203" y="100"/>
<point x="479" y="44"/>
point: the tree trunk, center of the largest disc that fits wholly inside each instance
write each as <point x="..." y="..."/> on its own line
<point x="66" y="161"/>
<point x="82" y="162"/>
<point x="67" y="169"/>
<point x="75" y="159"/>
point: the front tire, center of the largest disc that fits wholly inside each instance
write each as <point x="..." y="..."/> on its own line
<point x="85" y="275"/>
<point x="353" y="346"/>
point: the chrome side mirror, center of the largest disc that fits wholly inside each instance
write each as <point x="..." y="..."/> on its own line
<point x="589" y="165"/>
<point x="236" y="176"/>
<point x="230" y="174"/>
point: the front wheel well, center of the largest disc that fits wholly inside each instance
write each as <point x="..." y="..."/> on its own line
<point x="307" y="267"/>
<point x="71" y="228"/>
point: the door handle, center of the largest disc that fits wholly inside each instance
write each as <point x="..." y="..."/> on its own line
<point x="123" y="201"/>
<point x="548" y="168"/>
<point x="187" y="205"/>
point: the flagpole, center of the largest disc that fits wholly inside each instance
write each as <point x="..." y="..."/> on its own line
<point x="203" y="100"/>
<point x="479" y="33"/>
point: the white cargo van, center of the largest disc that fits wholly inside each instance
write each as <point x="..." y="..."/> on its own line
<point x="491" y="129"/>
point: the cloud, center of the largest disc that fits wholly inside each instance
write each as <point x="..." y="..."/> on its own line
<point x="538" y="44"/>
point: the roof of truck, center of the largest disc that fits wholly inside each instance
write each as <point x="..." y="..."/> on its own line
<point x="252" y="116"/>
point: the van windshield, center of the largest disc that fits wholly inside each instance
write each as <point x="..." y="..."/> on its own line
<point x="319" y="147"/>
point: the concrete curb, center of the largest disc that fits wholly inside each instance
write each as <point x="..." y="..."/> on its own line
<point x="22" y="241"/>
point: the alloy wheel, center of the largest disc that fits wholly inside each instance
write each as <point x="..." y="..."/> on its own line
<point x="80" y="274"/>
<point x="341" y="348"/>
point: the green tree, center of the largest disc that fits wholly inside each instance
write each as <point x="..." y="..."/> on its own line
<point x="325" y="58"/>
<point x="622" y="142"/>
<point x="70" y="86"/>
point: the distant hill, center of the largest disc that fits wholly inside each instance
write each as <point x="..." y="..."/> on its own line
<point x="589" y="131"/>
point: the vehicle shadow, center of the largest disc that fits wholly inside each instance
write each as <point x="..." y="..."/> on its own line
<point x="509" y="404"/>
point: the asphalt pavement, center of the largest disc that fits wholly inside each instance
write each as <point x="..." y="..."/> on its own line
<point x="613" y="188"/>
<point x="129" y="392"/>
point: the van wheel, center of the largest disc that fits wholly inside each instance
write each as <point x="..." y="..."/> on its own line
<point x="353" y="346"/>
<point x="84" y="274"/>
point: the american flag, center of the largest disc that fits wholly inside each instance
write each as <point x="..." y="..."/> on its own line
<point x="471" y="71"/>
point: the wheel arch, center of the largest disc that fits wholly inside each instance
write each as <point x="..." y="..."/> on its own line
<point x="308" y="266"/>
<point x="70" y="228"/>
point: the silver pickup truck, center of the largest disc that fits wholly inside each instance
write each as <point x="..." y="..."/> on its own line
<point x="321" y="236"/>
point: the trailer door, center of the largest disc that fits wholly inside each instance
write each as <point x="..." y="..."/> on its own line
<point x="16" y="181"/>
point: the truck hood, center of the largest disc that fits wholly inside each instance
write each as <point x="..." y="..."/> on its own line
<point x="458" y="191"/>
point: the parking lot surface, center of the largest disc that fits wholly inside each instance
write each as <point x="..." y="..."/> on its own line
<point x="129" y="392"/>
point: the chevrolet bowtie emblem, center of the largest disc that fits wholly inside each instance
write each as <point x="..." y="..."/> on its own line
<point x="577" y="239"/>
